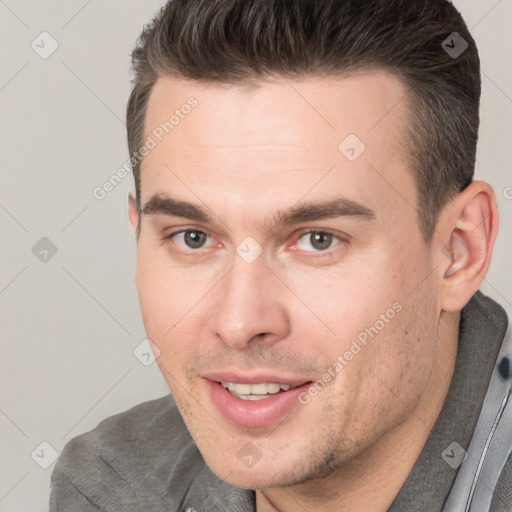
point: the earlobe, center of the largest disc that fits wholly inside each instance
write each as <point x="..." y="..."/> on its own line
<point x="471" y="225"/>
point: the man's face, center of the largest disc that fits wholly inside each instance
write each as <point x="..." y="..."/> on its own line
<point x="241" y="299"/>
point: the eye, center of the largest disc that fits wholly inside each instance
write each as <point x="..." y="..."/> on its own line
<point x="321" y="241"/>
<point x="189" y="238"/>
<point x="189" y="241"/>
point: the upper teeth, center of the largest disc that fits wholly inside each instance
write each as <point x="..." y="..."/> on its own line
<point x="255" y="389"/>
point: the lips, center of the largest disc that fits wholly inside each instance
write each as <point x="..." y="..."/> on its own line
<point x="258" y="409"/>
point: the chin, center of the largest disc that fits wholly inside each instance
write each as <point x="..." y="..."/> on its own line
<point x="250" y="480"/>
<point x="260" y="476"/>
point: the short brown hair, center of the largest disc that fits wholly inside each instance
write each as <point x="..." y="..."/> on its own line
<point x="238" y="41"/>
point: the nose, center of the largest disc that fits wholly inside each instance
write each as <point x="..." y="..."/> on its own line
<point x="251" y="305"/>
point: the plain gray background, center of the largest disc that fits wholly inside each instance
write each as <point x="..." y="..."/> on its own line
<point x="70" y="324"/>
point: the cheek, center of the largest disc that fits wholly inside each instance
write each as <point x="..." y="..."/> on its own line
<point x="167" y="299"/>
<point x="385" y="378"/>
<point x="404" y="354"/>
<point x="343" y="305"/>
<point x="370" y="330"/>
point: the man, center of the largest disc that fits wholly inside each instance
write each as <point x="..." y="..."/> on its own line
<point x="310" y="247"/>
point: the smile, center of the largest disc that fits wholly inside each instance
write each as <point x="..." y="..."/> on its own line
<point x="259" y="391"/>
<point x="257" y="404"/>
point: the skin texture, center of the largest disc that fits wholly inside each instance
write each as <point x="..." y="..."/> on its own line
<point x="244" y="154"/>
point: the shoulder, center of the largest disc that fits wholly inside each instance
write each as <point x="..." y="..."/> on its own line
<point x="139" y="432"/>
<point x="130" y="460"/>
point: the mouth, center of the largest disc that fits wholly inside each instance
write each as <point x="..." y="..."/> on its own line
<point x="258" y="391"/>
<point x="258" y="403"/>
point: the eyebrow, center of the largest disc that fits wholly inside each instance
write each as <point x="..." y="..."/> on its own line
<point x="163" y="204"/>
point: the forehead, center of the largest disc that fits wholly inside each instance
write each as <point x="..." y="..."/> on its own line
<point x="280" y="135"/>
<point x="313" y="106"/>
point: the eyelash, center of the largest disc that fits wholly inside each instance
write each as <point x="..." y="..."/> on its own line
<point x="194" y="252"/>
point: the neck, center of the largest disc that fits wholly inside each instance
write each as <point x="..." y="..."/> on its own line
<point x="373" y="479"/>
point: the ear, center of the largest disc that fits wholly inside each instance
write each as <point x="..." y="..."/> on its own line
<point x="468" y="227"/>
<point x="133" y="216"/>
